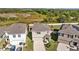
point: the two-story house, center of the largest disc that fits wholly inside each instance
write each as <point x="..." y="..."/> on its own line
<point x="40" y="32"/>
<point x="68" y="35"/>
<point x="16" y="33"/>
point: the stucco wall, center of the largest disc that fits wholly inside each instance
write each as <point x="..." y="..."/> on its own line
<point x="34" y="34"/>
<point x="17" y="39"/>
<point x="64" y="37"/>
<point x="41" y="35"/>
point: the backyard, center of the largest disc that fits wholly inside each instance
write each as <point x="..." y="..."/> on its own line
<point x="55" y="27"/>
<point x="53" y="46"/>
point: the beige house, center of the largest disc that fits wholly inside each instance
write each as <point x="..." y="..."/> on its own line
<point x="40" y="33"/>
<point x="68" y="36"/>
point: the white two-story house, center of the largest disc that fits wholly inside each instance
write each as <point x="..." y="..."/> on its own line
<point x="16" y="33"/>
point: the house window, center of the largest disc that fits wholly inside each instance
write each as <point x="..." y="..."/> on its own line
<point x="68" y="35"/>
<point x="19" y="35"/>
<point x="38" y="32"/>
<point x="14" y="36"/>
<point x="71" y="36"/>
<point x="62" y="34"/>
<point x="75" y="36"/>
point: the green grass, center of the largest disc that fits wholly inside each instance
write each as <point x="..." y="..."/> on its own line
<point x="29" y="45"/>
<point x="28" y="42"/>
<point x="6" y="23"/>
<point x="2" y="41"/>
<point x="53" y="46"/>
<point x="30" y="35"/>
<point x="56" y="27"/>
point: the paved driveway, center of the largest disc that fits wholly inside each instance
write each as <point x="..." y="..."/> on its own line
<point x="62" y="47"/>
<point x="38" y="44"/>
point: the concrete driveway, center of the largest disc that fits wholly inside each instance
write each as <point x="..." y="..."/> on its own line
<point x="38" y="44"/>
<point x="62" y="47"/>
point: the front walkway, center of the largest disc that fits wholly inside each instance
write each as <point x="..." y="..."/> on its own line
<point x="38" y="44"/>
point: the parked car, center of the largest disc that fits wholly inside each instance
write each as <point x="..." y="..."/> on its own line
<point x="13" y="48"/>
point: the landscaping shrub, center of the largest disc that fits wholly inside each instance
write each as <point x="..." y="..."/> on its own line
<point x="54" y="36"/>
<point x="30" y="35"/>
<point x="48" y="45"/>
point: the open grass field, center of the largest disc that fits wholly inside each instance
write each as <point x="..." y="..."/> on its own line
<point x="7" y="23"/>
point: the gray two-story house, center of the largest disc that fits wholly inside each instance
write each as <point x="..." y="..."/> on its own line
<point x="68" y="35"/>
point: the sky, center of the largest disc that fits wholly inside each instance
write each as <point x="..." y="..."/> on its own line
<point x="39" y="3"/>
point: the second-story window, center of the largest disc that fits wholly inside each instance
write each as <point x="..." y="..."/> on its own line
<point x="68" y="35"/>
<point x="14" y="36"/>
<point x="62" y="34"/>
<point x="19" y="35"/>
<point x="75" y="36"/>
<point x="71" y="36"/>
<point x="38" y="32"/>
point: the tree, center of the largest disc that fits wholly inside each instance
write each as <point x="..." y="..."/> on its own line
<point x="54" y="36"/>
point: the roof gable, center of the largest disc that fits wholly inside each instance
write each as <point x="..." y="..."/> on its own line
<point x="69" y="29"/>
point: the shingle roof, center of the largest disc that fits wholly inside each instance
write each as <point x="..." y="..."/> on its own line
<point x="40" y="27"/>
<point x="69" y="29"/>
<point x="14" y="29"/>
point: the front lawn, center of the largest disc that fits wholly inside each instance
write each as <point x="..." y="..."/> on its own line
<point x="53" y="46"/>
<point x="29" y="43"/>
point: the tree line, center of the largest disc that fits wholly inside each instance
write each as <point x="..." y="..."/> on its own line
<point x="51" y="15"/>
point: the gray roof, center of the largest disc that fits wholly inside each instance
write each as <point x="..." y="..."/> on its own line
<point x="16" y="28"/>
<point x="40" y="27"/>
<point x="69" y="29"/>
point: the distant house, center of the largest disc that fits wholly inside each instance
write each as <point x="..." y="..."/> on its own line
<point x="69" y="35"/>
<point x="40" y="33"/>
<point x="16" y="33"/>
